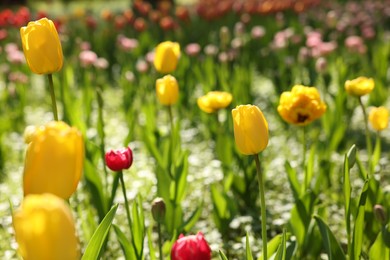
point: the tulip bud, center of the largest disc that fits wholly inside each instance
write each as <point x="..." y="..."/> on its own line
<point x="166" y="56"/>
<point x="42" y="46"/>
<point x="167" y="90"/>
<point x="191" y="247"/>
<point x="360" y="86"/>
<point x="120" y="159"/>
<point x="380" y="214"/>
<point x="379" y="118"/>
<point x="250" y="129"/>
<point x="54" y="160"/>
<point x="158" y="210"/>
<point x="45" y="229"/>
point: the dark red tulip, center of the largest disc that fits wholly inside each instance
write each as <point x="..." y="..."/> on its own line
<point x="193" y="247"/>
<point x="119" y="160"/>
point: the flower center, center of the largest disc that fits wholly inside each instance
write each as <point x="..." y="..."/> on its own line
<point x="302" y="118"/>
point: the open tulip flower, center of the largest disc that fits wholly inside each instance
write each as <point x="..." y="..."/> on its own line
<point x="360" y="86"/>
<point x="119" y="160"/>
<point x="45" y="229"/>
<point x="301" y="106"/>
<point x="42" y="46"/>
<point x="214" y="100"/>
<point x="167" y="90"/>
<point x="54" y="160"/>
<point x="193" y="247"/>
<point x="379" y="118"/>
<point x="250" y="129"/>
<point x="166" y="56"/>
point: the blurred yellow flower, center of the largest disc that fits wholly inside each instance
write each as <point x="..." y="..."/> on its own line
<point x="379" y="118"/>
<point x="42" y="46"/>
<point x="167" y="90"/>
<point x="166" y="56"/>
<point x="214" y="100"/>
<point x="45" y="229"/>
<point x="54" y="160"/>
<point x="301" y="106"/>
<point x="250" y="129"/>
<point x="360" y="86"/>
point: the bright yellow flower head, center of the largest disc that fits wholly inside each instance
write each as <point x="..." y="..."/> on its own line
<point x="250" y="129"/>
<point x="166" y="56"/>
<point x="214" y="100"/>
<point x="301" y="106"/>
<point x="360" y="86"/>
<point x="42" y="46"/>
<point x="45" y="229"/>
<point x="379" y="118"/>
<point x="167" y="90"/>
<point x="54" y="160"/>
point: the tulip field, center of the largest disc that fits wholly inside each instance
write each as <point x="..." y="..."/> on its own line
<point x="210" y="129"/>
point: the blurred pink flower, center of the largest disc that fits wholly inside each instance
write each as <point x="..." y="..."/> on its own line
<point x="127" y="44"/>
<point x="313" y="39"/>
<point x="3" y="34"/>
<point x="192" y="49"/>
<point x="323" y="49"/>
<point x="355" y="44"/>
<point x="85" y="46"/>
<point x="87" y="58"/>
<point x="321" y="65"/>
<point x="257" y="32"/>
<point x="101" y="63"/>
<point x="142" y="66"/>
<point x="150" y="57"/>
<point x="211" y="50"/>
<point x="18" y="77"/>
<point x="129" y="76"/>
<point x="16" y="57"/>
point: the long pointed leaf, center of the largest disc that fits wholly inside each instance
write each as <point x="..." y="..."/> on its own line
<point x="281" y="253"/>
<point x="248" y="249"/>
<point x="125" y="243"/>
<point x="95" y="244"/>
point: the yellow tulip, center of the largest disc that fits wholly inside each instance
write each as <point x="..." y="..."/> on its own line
<point x="45" y="229"/>
<point x="250" y="129"/>
<point x="301" y="106"/>
<point x="166" y="56"/>
<point x="360" y="86"/>
<point x="42" y="46"/>
<point x="214" y="100"/>
<point x="379" y="118"/>
<point x="54" y="160"/>
<point x="167" y="90"/>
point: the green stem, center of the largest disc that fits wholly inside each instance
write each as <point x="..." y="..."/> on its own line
<point x="260" y="176"/>
<point x="368" y="139"/>
<point x="127" y="211"/>
<point x="53" y="97"/>
<point x="304" y="158"/>
<point x="159" y="241"/>
<point x="172" y="140"/>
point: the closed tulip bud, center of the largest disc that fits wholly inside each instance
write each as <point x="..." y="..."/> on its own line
<point x="158" y="210"/>
<point x="193" y="247"/>
<point x="167" y="90"/>
<point x="380" y="214"/>
<point x="360" y="86"/>
<point x="214" y="100"/>
<point x="250" y="129"/>
<point x="54" y="160"/>
<point x="45" y="229"/>
<point x="120" y="159"/>
<point x="301" y="106"/>
<point x="166" y="56"/>
<point x="42" y="46"/>
<point x="379" y="118"/>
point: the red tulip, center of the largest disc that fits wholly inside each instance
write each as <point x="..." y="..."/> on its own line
<point x="192" y="247"/>
<point x="120" y="159"/>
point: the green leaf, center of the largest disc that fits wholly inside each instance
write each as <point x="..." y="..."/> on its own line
<point x="181" y="178"/>
<point x="248" y="249"/>
<point x="125" y="244"/>
<point x="191" y="221"/>
<point x="376" y="154"/>
<point x="281" y="252"/>
<point x="138" y="228"/>
<point x="152" y="252"/>
<point x="351" y="155"/>
<point x="310" y="167"/>
<point x="331" y="245"/>
<point x="347" y="196"/>
<point x="357" y="239"/>
<point x="272" y="246"/>
<point x="95" y="245"/>
<point x="378" y="250"/>
<point x="293" y="180"/>
<point x="222" y="256"/>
